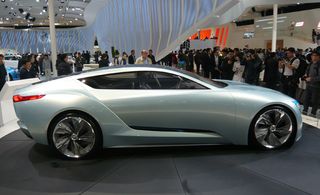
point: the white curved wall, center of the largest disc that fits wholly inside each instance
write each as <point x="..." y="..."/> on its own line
<point x="163" y="25"/>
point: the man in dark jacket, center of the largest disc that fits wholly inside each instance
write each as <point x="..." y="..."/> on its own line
<point x="64" y="67"/>
<point x="206" y="64"/>
<point x="252" y="68"/>
<point x="191" y="61"/>
<point x="216" y="61"/>
<point x="25" y="71"/>
<point x="271" y="73"/>
<point x="312" y="93"/>
<point x="104" y="62"/>
<point x="227" y="67"/>
<point x="132" y="57"/>
<point x="151" y="56"/>
<point x="3" y="72"/>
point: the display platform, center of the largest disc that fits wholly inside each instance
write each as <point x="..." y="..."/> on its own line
<point x="29" y="168"/>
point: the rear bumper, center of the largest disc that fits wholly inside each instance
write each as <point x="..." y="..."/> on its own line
<point x="24" y="129"/>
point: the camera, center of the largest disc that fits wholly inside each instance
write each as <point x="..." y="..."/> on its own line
<point x="303" y="78"/>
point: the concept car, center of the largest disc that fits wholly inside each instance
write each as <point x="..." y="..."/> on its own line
<point x="152" y="105"/>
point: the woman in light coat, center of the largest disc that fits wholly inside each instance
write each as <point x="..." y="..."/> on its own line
<point x="238" y="70"/>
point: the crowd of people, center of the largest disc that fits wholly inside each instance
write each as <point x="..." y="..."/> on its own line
<point x="294" y="72"/>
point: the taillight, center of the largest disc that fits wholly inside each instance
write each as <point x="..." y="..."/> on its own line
<point x="19" y="98"/>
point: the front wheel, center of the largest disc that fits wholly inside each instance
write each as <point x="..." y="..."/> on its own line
<point x="75" y="136"/>
<point x="273" y="128"/>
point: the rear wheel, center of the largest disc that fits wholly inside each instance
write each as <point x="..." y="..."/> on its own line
<point x="75" y="136"/>
<point x="273" y="128"/>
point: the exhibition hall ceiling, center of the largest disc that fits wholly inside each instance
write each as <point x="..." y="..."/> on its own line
<point x="34" y="13"/>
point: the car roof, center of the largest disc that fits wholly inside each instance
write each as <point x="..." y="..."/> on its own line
<point x="125" y="68"/>
<point x="104" y="70"/>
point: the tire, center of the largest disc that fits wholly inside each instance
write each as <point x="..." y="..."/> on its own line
<point x="75" y="136"/>
<point x="274" y="127"/>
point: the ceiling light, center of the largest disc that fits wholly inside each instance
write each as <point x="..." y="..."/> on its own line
<point x="73" y="9"/>
<point x="40" y="13"/>
<point x="1" y="22"/>
<point x="299" y="24"/>
<point x="7" y="18"/>
<point x="266" y="28"/>
<point x="3" y="0"/>
<point x="37" y="0"/>
<point x="16" y="24"/>
<point x="319" y="25"/>
<point x="70" y="21"/>
<point x="279" y="21"/>
<point x="80" y="14"/>
<point x="270" y="19"/>
<point x="76" y="19"/>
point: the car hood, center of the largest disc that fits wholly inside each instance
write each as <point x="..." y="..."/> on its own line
<point x="256" y="92"/>
<point x="234" y="85"/>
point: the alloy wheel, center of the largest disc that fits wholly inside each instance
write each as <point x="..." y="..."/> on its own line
<point x="273" y="128"/>
<point x="74" y="137"/>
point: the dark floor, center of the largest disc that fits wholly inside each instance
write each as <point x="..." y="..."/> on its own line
<point x="28" y="168"/>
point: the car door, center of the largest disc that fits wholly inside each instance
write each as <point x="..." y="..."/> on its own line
<point x="164" y="102"/>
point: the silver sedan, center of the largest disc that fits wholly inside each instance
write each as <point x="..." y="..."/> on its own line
<point x="152" y="105"/>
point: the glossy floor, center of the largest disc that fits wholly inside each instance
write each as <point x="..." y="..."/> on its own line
<point x="28" y="168"/>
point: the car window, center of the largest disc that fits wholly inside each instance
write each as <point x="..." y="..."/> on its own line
<point x="113" y="81"/>
<point x="147" y="81"/>
<point x="162" y="80"/>
<point x="143" y="80"/>
<point x="167" y="81"/>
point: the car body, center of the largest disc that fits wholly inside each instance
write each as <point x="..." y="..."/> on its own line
<point x="13" y="73"/>
<point x="143" y="105"/>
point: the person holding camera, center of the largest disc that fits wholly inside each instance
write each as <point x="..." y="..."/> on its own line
<point x="312" y="77"/>
<point x="288" y="66"/>
<point x="253" y="66"/>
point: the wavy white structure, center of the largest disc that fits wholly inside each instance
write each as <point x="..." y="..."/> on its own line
<point x="162" y="25"/>
<point x="150" y="24"/>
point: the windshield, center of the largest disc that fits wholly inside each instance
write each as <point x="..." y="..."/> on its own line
<point x="218" y="84"/>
